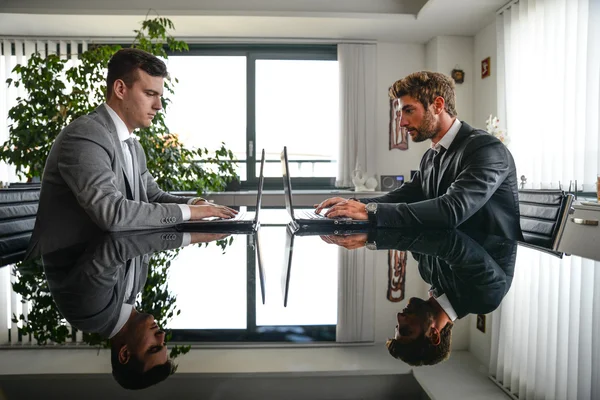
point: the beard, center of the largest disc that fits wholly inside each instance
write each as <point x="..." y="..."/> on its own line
<point x="423" y="309"/>
<point x="426" y="129"/>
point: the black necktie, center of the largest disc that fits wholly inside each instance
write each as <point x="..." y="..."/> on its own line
<point x="436" y="169"/>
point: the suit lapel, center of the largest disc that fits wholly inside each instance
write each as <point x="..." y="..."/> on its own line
<point x="107" y="121"/>
<point x="464" y="131"/>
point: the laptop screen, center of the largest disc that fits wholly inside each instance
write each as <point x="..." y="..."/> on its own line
<point x="261" y="181"/>
<point x="287" y="182"/>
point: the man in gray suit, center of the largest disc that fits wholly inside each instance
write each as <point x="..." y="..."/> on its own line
<point x="94" y="286"/>
<point x="96" y="178"/>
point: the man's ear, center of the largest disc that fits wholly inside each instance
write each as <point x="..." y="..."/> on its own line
<point x="124" y="354"/>
<point x="438" y="105"/>
<point x="119" y="88"/>
<point x="434" y="336"/>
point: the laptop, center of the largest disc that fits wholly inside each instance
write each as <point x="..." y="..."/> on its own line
<point x="308" y="219"/>
<point x="261" y="269"/>
<point x="287" y="264"/>
<point x="240" y="223"/>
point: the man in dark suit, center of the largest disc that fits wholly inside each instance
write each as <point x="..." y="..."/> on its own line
<point x="468" y="177"/>
<point x="468" y="274"/>
<point x="94" y="286"/>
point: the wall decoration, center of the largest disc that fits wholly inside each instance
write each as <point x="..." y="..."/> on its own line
<point x="458" y="75"/>
<point x="481" y="322"/>
<point x="396" y="275"/>
<point x="486" y="66"/>
<point x="398" y="135"/>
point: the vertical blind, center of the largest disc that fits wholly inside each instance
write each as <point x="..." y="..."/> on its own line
<point x="545" y="333"/>
<point x="18" y="51"/>
<point x="14" y="52"/>
<point x="549" y="89"/>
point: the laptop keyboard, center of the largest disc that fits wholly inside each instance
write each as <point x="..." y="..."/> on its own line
<point x="306" y="214"/>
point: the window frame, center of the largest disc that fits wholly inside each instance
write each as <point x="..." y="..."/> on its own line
<point x="253" y="53"/>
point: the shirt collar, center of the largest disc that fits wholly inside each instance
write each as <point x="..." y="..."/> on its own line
<point x="123" y="317"/>
<point x="447" y="307"/>
<point x="122" y="130"/>
<point x="448" y="138"/>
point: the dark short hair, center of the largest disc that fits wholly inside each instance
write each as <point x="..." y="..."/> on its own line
<point x="131" y="376"/>
<point x="421" y="351"/>
<point x="425" y="86"/>
<point x="124" y="65"/>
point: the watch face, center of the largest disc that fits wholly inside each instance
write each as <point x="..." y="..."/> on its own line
<point x="371" y="207"/>
<point x="371" y="246"/>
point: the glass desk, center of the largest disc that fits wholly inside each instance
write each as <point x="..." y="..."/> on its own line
<point x="272" y="312"/>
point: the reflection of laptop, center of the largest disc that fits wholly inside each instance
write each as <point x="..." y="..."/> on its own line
<point x="241" y="222"/>
<point x="287" y="265"/>
<point x="308" y="219"/>
<point x="261" y="269"/>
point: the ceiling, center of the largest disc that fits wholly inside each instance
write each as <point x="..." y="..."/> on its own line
<point x="411" y="21"/>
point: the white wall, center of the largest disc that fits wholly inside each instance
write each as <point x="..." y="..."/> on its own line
<point x="480" y="344"/>
<point x="394" y="62"/>
<point x="445" y="53"/>
<point x="486" y="101"/>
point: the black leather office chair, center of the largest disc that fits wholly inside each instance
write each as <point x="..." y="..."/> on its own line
<point x="18" y="208"/>
<point x="544" y="216"/>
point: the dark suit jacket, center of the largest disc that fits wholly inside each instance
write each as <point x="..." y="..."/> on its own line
<point x="476" y="188"/>
<point x="475" y="272"/>
<point x="87" y="281"/>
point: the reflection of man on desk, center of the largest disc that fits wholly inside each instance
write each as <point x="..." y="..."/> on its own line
<point x="467" y="274"/>
<point x="94" y="286"/>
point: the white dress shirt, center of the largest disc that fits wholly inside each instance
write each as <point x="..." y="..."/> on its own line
<point x="448" y="138"/>
<point x="124" y="134"/>
<point x="448" y="309"/>
<point x="129" y="279"/>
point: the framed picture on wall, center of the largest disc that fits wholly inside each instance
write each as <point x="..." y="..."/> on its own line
<point x="396" y="275"/>
<point x="398" y="135"/>
<point x="486" y="68"/>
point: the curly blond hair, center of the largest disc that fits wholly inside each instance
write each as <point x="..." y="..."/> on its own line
<point x="425" y="86"/>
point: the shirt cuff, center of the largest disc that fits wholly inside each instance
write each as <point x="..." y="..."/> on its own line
<point x="186" y="214"/>
<point x="187" y="239"/>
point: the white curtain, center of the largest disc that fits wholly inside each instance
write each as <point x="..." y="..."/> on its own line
<point x="549" y="90"/>
<point x="356" y="296"/>
<point x="358" y="82"/>
<point x="545" y="333"/>
<point x="18" y="51"/>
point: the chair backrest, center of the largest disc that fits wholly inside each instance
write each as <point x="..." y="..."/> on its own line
<point x="18" y="208"/>
<point x="544" y="216"/>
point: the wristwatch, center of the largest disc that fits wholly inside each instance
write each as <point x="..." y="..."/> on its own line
<point x="372" y="212"/>
<point x="371" y="244"/>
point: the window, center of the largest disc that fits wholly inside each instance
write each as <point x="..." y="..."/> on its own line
<point x="255" y="97"/>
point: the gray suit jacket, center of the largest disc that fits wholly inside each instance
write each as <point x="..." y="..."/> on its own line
<point x="84" y="188"/>
<point x="87" y="281"/>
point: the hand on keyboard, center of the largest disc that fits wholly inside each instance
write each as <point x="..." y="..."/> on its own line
<point x="328" y="203"/>
<point x="211" y="210"/>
